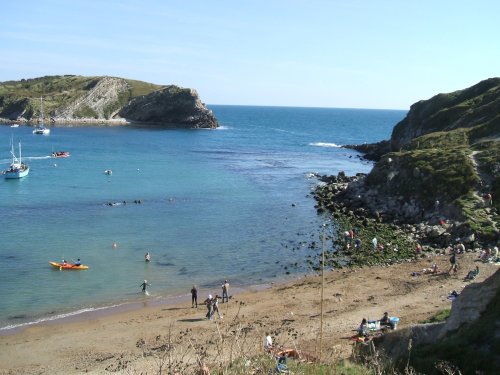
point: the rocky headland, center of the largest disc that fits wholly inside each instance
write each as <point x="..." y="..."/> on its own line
<point x="101" y="100"/>
<point x="436" y="182"/>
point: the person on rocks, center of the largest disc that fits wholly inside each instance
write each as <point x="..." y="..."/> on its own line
<point x="347" y="237"/>
<point x="374" y="243"/>
<point x="194" y="297"/>
<point x="357" y="244"/>
<point x="418" y="249"/>
<point x="488" y="199"/>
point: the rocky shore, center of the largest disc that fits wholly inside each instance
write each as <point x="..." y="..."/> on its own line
<point x="397" y="225"/>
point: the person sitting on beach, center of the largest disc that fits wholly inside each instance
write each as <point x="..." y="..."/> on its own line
<point x="363" y="330"/>
<point x="472" y="274"/>
<point x="485" y="257"/>
<point x="386" y="321"/>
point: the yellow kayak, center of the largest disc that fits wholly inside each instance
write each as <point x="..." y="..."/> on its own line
<point x="68" y="266"/>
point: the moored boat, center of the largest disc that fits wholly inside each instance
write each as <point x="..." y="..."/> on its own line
<point x="17" y="168"/>
<point x="41" y="129"/>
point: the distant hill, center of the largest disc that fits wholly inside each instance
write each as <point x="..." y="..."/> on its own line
<point x="78" y="99"/>
<point x="442" y="159"/>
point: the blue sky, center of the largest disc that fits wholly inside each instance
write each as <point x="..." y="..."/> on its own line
<point x="356" y="54"/>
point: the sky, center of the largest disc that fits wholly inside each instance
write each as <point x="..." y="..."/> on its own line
<point x="385" y="54"/>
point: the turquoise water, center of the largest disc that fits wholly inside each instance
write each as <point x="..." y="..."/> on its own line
<point x="232" y="203"/>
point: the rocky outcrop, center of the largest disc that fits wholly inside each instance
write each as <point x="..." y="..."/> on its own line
<point x="170" y="105"/>
<point x="101" y="100"/>
<point x="98" y="98"/>
<point x="475" y="301"/>
<point x="440" y="162"/>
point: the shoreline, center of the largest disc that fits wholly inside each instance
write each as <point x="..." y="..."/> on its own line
<point x="89" y="313"/>
<point x="289" y="311"/>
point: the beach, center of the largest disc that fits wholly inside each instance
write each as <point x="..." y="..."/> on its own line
<point x="144" y="338"/>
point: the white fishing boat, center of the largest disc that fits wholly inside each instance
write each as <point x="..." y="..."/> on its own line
<point x="41" y="129"/>
<point x="17" y="168"/>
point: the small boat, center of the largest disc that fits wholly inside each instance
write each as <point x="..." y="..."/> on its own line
<point x="68" y="266"/>
<point x="14" y="126"/>
<point x="109" y="172"/>
<point x="41" y="129"/>
<point x="17" y="168"/>
<point x="60" y="154"/>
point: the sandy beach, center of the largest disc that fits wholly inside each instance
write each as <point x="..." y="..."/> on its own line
<point x="148" y="338"/>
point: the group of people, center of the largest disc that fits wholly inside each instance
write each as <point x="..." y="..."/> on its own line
<point x="489" y="255"/>
<point x="364" y="328"/>
<point x="351" y="240"/>
<point x="212" y="303"/>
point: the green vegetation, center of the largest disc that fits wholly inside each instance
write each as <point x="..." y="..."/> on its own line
<point x="23" y="97"/>
<point x="439" y="317"/>
<point x="264" y="364"/>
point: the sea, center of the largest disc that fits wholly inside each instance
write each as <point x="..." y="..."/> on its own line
<point x="233" y="203"/>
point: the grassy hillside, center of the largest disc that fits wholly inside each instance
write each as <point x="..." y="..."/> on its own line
<point x="57" y="91"/>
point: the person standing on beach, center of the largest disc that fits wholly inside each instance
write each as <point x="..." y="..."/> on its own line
<point x="208" y="302"/>
<point x="215" y="306"/>
<point x="194" y="297"/>
<point x="225" y="291"/>
<point x="453" y="262"/>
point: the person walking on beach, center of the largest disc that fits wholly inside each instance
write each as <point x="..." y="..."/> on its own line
<point x="144" y="286"/>
<point x="215" y="306"/>
<point x="208" y="302"/>
<point x="194" y="297"/>
<point x="225" y="291"/>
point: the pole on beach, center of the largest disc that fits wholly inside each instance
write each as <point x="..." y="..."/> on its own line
<point x="322" y="290"/>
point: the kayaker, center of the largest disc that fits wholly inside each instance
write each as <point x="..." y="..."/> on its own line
<point x="78" y="262"/>
<point x="64" y="262"/>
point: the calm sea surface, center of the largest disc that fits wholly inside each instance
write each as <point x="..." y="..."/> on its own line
<point x="230" y="203"/>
